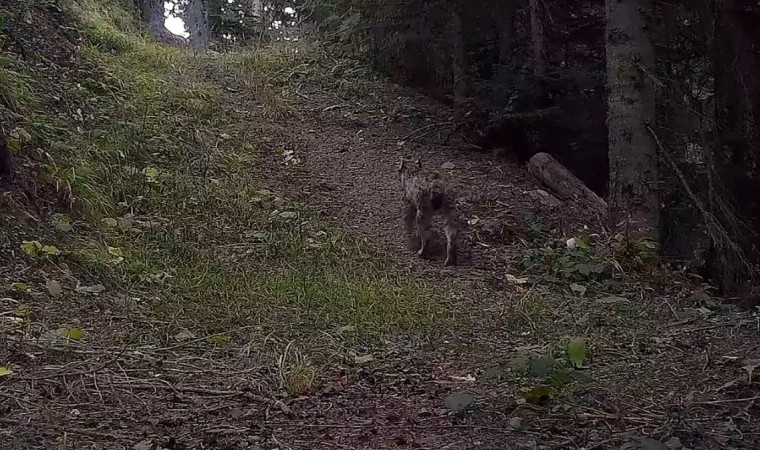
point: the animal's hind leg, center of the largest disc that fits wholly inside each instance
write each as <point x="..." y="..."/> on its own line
<point x="451" y="227"/>
<point x="424" y="221"/>
<point x="410" y="216"/>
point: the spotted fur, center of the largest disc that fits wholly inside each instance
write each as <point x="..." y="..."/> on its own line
<point x="424" y="195"/>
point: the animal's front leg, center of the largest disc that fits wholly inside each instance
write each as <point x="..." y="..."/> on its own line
<point x="424" y="221"/>
<point x="410" y="216"/>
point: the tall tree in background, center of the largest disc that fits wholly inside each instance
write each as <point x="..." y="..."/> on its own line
<point x="537" y="37"/>
<point x="632" y="150"/>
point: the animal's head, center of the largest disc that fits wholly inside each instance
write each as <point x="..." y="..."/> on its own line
<point x="409" y="167"/>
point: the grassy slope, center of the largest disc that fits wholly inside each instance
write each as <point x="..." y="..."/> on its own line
<point x="172" y="211"/>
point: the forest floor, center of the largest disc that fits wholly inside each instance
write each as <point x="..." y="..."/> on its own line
<point x="206" y="251"/>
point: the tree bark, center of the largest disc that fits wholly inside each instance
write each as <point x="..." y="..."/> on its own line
<point x="6" y="160"/>
<point x="563" y="183"/>
<point x="458" y="55"/>
<point x="537" y="37"/>
<point x="634" y="198"/>
<point x="195" y="16"/>
<point x="506" y="16"/>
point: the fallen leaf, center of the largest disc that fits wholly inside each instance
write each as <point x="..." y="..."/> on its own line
<point x="750" y="368"/>
<point x="469" y="378"/>
<point x="578" y="289"/>
<point x="94" y="289"/>
<point x="459" y="401"/>
<point x="516" y="423"/>
<point x="611" y="300"/>
<point x="448" y="165"/>
<point x="4" y="371"/>
<point x="114" y="251"/>
<point x="363" y="359"/>
<point x="110" y="222"/>
<point x="513" y="279"/>
<point x="54" y="288"/>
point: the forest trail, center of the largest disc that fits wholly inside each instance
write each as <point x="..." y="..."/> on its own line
<point x="241" y="278"/>
<point x="643" y="380"/>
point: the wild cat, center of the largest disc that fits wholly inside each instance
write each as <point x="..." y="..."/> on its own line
<point x="424" y="195"/>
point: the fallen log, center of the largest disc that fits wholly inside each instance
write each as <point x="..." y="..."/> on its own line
<point x="562" y="182"/>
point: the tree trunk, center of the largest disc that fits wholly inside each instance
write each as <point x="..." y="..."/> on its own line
<point x="506" y="15"/>
<point x="563" y="183"/>
<point x="458" y="55"/>
<point x="195" y="16"/>
<point x="632" y="150"/>
<point x="537" y="37"/>
<point x="6" y="160"/>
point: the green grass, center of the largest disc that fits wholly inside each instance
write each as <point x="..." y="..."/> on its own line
<point x="172" y="212"/>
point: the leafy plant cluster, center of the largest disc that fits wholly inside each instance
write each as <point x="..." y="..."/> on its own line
<point x="586" y="258"/>
<point x="544" y="376"/>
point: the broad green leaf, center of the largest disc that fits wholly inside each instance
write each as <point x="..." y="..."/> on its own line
<point x="75" y="334"/>
<point x="4" y="371"/>
<point x="459" y="401"/>
<point x="54" y="288"/>
<point x="576" y="352"/>
<point x="539" y="394"/>
<point x="31" y="247"/>
<point x="50" y="250"/>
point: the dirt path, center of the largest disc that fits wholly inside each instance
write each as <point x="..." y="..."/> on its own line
<point x="349" y="157"/>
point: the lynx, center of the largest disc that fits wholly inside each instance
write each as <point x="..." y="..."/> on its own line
<point x="424" y="195"/>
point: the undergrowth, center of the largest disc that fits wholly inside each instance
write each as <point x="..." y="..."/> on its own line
<point x="160" y="162"/>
